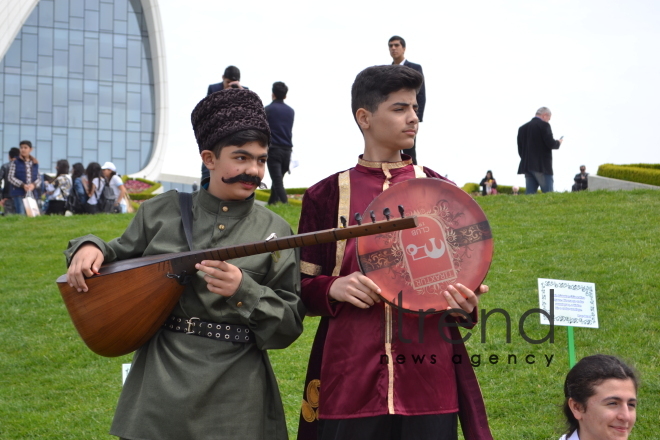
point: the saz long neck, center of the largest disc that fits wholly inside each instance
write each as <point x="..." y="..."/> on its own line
<point x="185" y="261"/>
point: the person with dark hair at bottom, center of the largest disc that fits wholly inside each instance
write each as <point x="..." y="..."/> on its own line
<point x="350" y="393"/>
<point x="280" y="119"/>
<point x="600" y="399"/>
<point x="231" y="79"/>
<point x="23" y="175"/>
<point x="94" y="188"/>
<point x="5" y="200"/>
<point x="397" y="46"/>
<point x="488" y="184"/>
<point x="59" y="190"/>
<point x="186" y="383"/>
<point x="581" y="180"/>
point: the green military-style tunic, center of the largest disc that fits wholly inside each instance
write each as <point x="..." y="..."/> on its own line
<point x="189" y="387"/>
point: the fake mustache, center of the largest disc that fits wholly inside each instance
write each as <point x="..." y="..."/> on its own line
<point x="243" y="178"/>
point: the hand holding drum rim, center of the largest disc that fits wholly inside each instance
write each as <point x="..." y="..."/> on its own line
<point x="356" y="289"/>
<point x="460" y="297"/>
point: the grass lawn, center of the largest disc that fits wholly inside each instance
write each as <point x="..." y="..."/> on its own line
<point x="52" y="386"/>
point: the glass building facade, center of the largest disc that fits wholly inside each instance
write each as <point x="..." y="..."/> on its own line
<point x="78" y="83"/>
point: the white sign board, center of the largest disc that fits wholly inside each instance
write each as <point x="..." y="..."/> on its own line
<point x="125" y="368"/>
<point x="574" y="302"/>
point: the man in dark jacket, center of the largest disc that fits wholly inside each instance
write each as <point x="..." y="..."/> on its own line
<point x="397" y="47"/>
<point x="280" y="119"/>
<point x="581" y="180"/>
<point x="6" y="200"/>
<point x="535" y="145"/>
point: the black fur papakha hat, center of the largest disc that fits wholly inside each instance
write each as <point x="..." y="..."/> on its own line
<point x="226" y="112"/>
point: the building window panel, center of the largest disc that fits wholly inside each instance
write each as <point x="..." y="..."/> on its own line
<point x="92" y="5"/>
<point x="60" y="91"/>
<point x="29" y="47"/>
<point x="119" y="117"/>
<point x="91" y="107"/>
<point x="60" y="116"/>
<point x="77" y="23"/>
<point x="132" y="141"/>
<point x="46" y="41"/>
<point x="60" y="63"/>
<point x="62" y="11"/>
<point x="76" y="37"/>
<point x="29" y="132"/>
<point x="45" y="66"/>
<point x="119" y="144"/>
<point x="76" y="142"/>
<point x="13" y="84"/>
<point x="13" y="57"/>
<point x="2" y="85"/>
<point x="105" y="99"/>
<point x="29" y="82"/>
<point x="119" y="92"/>
<point x="105" y="121"/>
<point x="46" y="14"/>
<point x="77" y="8"/>
<point x="133" y="162"/>
<point x="105" y="69"/>
<point x="45" y="118"/>
<point x="105" y="135"/>
<point x="75" y="114"/>
<point x="135" y="53"/>
<point x="90" y="138"/>
<point x="91" y="72"/>
<point x="61" y="39"/>
<point x="45" y="92"/>
<point x="91" y="20"/>
<point x="11" y="135"/>
<point x="76" y="59"/>
<point x="119" y="62"/>
<point x="44" y="133"/>
<point x="133" y="126"/>
<point x="29" y="104"/>
<point x="33" y="19"/>
<point x="91" y="52"/>
<point x="121" y="8"/>
<point x="133" y="107"/>
<point x="75" y="90"/>
<point x="44" y="150"/>
<point x="120" y="40"/>
<point x="12" y="108"/>
<point x="106" y="17"/>
<point x="28" y="68"/>
<point x="121" y="27"/>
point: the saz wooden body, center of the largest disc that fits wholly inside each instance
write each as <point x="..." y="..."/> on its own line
<point x="127" y="302"/>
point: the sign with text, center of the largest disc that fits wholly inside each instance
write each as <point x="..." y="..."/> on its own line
<point x="574" y="303"/>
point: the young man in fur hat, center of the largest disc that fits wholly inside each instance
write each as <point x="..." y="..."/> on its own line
<point x="350" y="393"/>
<point x="185" y="386"/>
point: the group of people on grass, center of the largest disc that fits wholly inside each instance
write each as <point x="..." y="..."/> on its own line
<point x="206" y="373"/>
<point x="79" y="192"/>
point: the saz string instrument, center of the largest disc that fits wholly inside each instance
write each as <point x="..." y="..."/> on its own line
<point x="128" y="301"/>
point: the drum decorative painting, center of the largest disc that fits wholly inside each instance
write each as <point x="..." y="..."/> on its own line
<point x="451" y="244"/>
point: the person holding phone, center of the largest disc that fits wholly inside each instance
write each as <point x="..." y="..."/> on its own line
<point x="535" y="145"/>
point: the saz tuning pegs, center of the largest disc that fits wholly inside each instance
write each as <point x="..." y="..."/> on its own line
<point x="373" y="216"/>
<point x="343" y="221"/>
<point x="387" y="213"/>
<point x="358" y="218"/>
<point x="401" y="211"/>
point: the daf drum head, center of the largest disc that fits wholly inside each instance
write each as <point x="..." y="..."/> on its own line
<point x="451" y="244"/>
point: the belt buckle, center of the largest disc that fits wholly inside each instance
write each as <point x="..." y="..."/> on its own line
<point x="190" y="325"/>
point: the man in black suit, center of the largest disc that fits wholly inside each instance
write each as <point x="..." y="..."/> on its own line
<point x="535" y="145"/>
<point x="397" y="47"/>
<point x="230" y="79"/>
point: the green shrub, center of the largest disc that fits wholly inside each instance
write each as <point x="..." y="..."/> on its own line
<point x="471" y="188"/>
<point x="640" y="173"/>
<point x="264" y="194"/>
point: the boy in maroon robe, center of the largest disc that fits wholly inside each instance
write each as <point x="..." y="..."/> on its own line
<point x="350" y="391"/>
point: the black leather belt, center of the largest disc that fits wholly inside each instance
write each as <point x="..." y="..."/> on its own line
<point x="211" y="330"/>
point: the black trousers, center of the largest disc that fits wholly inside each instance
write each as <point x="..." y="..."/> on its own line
<point x="278" y="165"/>
<point x="391" y="427"/>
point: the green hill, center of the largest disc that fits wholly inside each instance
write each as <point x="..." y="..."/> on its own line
<point x="52" y="386"/>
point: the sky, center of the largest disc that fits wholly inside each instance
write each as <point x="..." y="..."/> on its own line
<point x="488" y="66"/>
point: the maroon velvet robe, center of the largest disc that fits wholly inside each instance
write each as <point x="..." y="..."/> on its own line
<point x="368" y="362"/>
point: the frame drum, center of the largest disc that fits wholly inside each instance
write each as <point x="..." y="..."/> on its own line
<point x="452" y="244"/>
